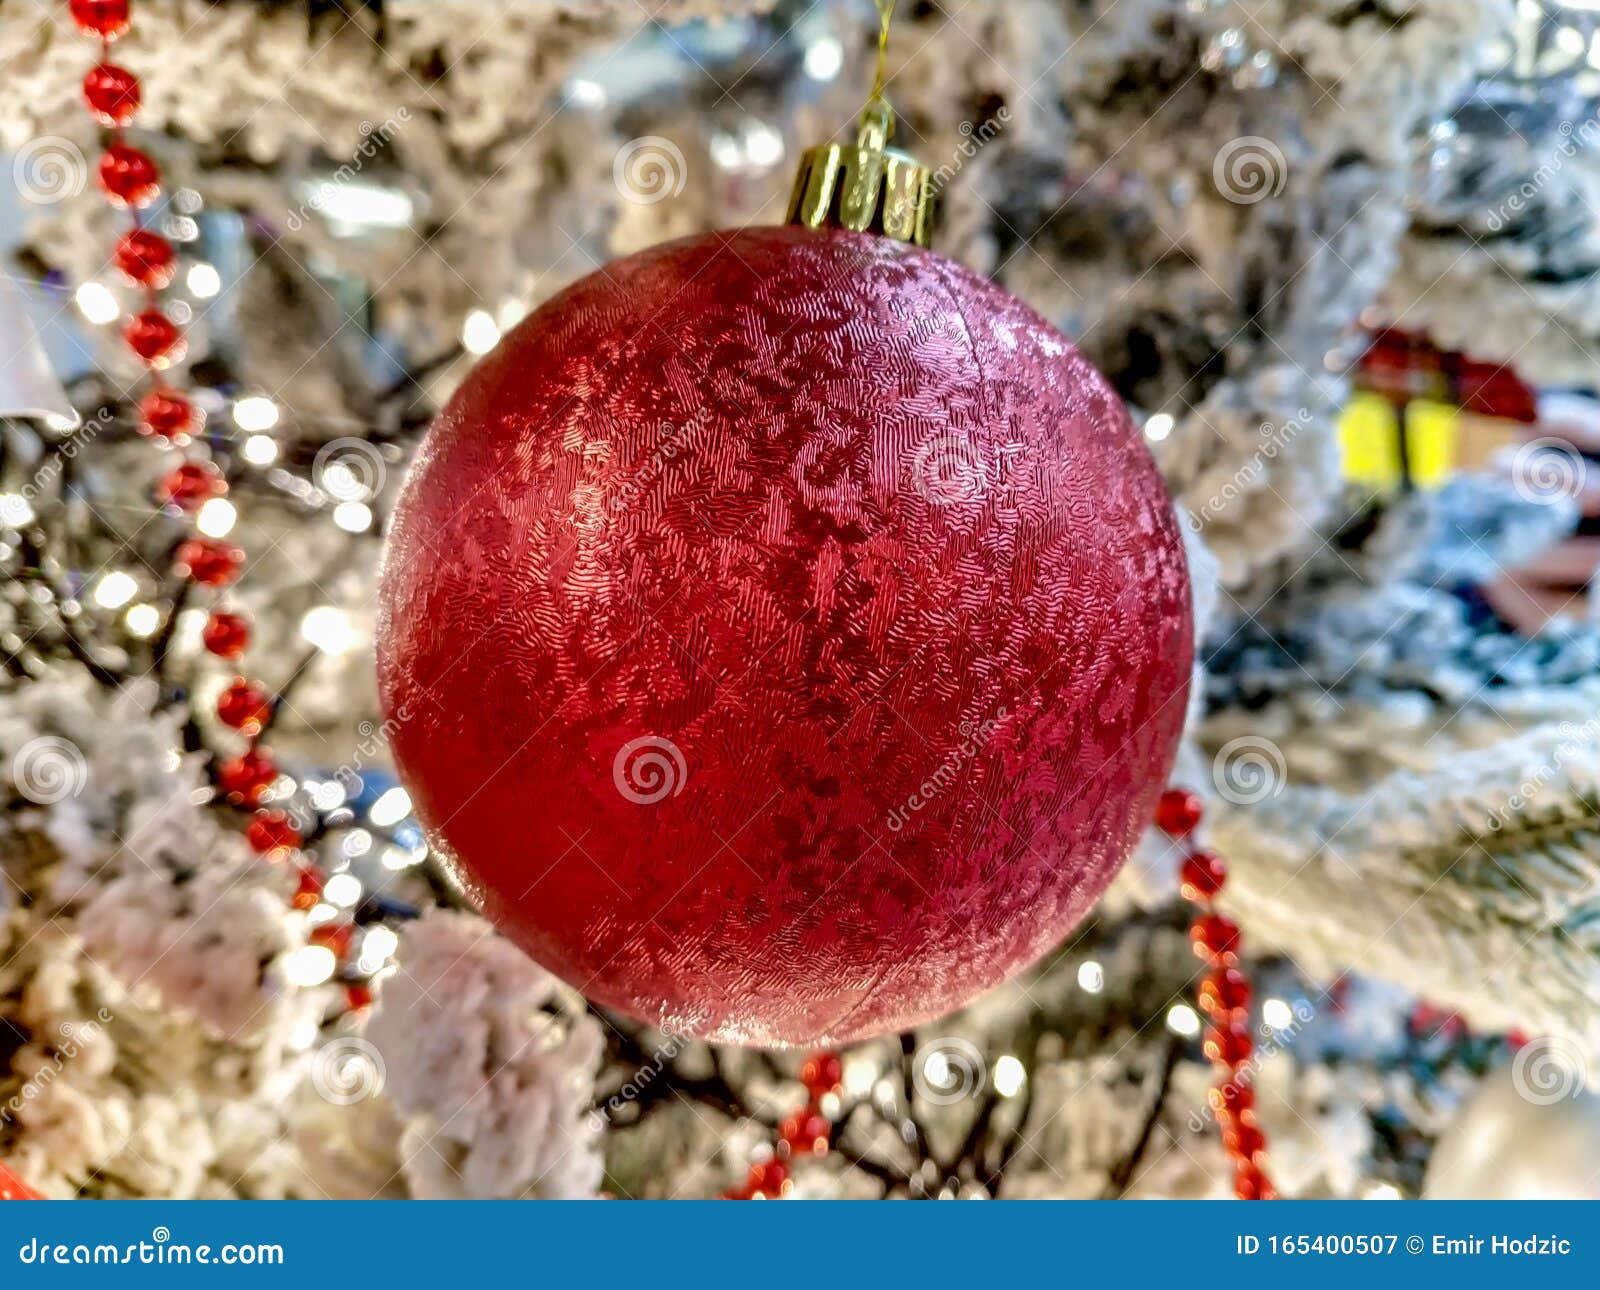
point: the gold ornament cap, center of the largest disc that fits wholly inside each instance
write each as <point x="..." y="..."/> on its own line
<point x="867" y="186"/>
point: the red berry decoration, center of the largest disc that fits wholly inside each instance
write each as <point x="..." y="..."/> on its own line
<point x="905" y="493"/>
<point x="272" y="834"/>
<point x="246" y="778"/>
<point x="209" y="562"/>
<point x="806" y="1133"/>
<point x="1224" y="996"/>
<point x="244" y="706"/>
<point x="1203" y="875"/>
<point x="227" y="635"/>
<point x="129" y="176"/>
<point x="190" y="485"/>
<point x="310" y="890"/>
<point x="357" y="997"/>
<point x="166" y="414"/>
<point x="112" y="93"/>
<point x="106" y="19"/>
<point x="1178" y="812"/>
<point x="146" y="259"/>
<point x="821" y="1074"/>
<point x="332" y="936"/>
<point x="768" y="1181"/>
<point x="153" y="337"/>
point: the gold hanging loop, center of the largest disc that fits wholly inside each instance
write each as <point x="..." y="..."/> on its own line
<point x="867" y="186"/>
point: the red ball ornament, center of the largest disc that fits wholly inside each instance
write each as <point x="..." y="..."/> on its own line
<point x="244" y="706"/>
<point x="209" y="562"/>
<point x="227" y="635"/>
<point x="154" y="337"/>
<point x="146" y="259"/>
<point x="129" y="176"/>
<point x="112" y="93"/>
<point x="190" y="485"/>
<point x="106" y="19"/>
<point x="785" y="635"/>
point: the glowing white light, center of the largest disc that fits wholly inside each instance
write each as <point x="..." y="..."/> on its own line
<point x="356" y="843"/>
<point x="480" y="333"/>
<point x="326" y="796"/>
<point x="1382" y="1191"/>
<point x="763" y="145"/>
<point x="142" y="620"/>
<point x="859" y="1075"/>
<point x="342" y="889"/>
<point x="216" y="517"/>
<point x="1009" y="1076"/>
<point x="261" y="450"/>
<point x="379" y="942"/>
<point x="14" y="510"/>
<point x="309" y="965"/>
<point x="397" y="858"/>
<point x="1158" y="427"/>
<point x="1277" y="1014"/>
<point x="511" y="312"/>
<point x="824" y="58"/>
<point x="586" y="93"/>
<point x="353" y="517"/>
<point x="96" y="303"/>
<point x="1091" y="977"/>
<point x="329" y="629"/>
<point x="391" y="808"/>
<point x="350" y="208"/>
<point x="1183" y="1020"/>
<point x="255" y="413"/>
<point x="115" y="590"/>
<point x="203" y="281"/>
<point x="61" y="422"/>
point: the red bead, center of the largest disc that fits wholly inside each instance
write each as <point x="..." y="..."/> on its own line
<point x="146" y="259"/>
<point x="227" y="635"/>
<point x="272" y="834"/>
<point x="1232" y="1098"/>
<point x="357" y="997"/>
<point x="309" y="892"/>
<point x="1178" y="812"/>
<point x="1249" y="1183"/>
<point x="1230" y="1044"/>
<point x="209" y="562"/>
<point x="1244" y="1140"/>
<point x="166" y="414"/>
<point x="129" y="176"/>
<point x="154" y="337"/>
<point x="112" y="93"/>
<point x="821" y="1073"/>
<point x="106" y="19"/>
<point x="1225" y="994"/>
<point x="246" y="778"/>
<point x="332" y="936"/>
<point x="190" y="484"/>
<point x="768" y="1181"/>
<point x="13" y="1188"/>
<point x="806" y="1133"/>
<point x="1214" y="936"/>
<point x="1203" y="876"/>
<point x="244" y="706"/>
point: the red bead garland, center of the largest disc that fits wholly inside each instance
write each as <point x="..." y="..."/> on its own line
<point x="146" y="259"/>
<point x="1224" y="997"/>
<point x="129" y="176"/>
<point x="226" y="634"/>
<point x="112" y="93"/>
<point x="106" y="19"/>
<point x="808" y="1132"/>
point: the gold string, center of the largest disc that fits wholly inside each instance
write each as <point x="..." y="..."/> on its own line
<point x="885" y="15"/>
